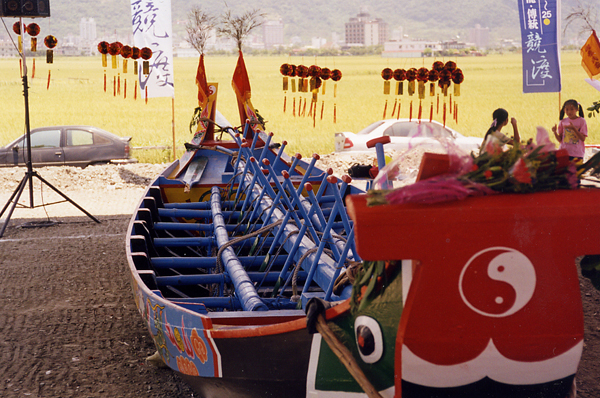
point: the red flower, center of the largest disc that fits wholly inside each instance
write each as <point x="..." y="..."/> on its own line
<point x="474" y="167"/>
<point x="520" y="172"/>
<point x="488" y="174"/>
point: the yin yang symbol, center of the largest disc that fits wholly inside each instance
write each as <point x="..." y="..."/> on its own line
<point x="497" y="282"/>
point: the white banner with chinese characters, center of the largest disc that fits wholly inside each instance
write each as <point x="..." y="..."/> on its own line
<point x="152" y="28"/>
<point x="540" y="34"/>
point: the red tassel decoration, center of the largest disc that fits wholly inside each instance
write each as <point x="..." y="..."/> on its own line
<point x="450" y="104"/>
<point x="294" y="107"/>
<point x="21" y="67"/>
<point x="310" y="111"/>
<point x="420" y="110"/>
<point x="48" y="85"/>
<point x="455" y="112"/>
<point x="135" y="91"/>
<point x="304" y="108"/>
<point x="146" y="90"/>
<point x="431" y="113"/>
<point x="394" y="110"/>
<point x="114" y="86"/>
<point x="119" y="84"/>
<point x="284" y="103"/>
<point x="322" y="108"/>
<point x="399" y="107"/>
<point x="384" y="109"/>
<point x="444" y="114"/>
<point x="410" y="112"/>
<point x="314" y="116"/>
<point x="104" y="81"/>
<point x="33" y="69"/>
<point x="437" y="107"/>
<point x="125" y="88"/>
<point x="334" y="114"/>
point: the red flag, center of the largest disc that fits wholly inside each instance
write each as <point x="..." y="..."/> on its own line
<point x="201" y="83"/>
<point x="241" y="86"/>
<point x="590" y="56"/>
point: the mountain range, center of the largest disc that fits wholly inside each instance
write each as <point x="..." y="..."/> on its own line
<point x="423" y="19"/>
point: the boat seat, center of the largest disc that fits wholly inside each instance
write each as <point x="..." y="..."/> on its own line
<point x="141" y="261"/>
<point x="154" y="192"/>
<point x="139" y="228"/>
<point x="150" y="203"/>
<point x="149" y="279"/>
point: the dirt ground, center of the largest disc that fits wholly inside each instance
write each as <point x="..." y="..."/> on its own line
<point x="68" y="323"/>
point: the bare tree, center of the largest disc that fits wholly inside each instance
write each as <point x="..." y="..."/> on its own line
<point x="198" y="28"/>
<point x="238" y="27"/>
<point x="584" y="14"/>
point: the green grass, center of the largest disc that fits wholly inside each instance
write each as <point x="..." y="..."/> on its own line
<point x="76" y="96"/>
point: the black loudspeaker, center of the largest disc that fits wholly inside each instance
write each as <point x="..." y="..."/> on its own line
<point x="25" y="8"/>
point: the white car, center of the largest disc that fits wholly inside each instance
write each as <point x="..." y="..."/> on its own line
<point x="406" y="134"/>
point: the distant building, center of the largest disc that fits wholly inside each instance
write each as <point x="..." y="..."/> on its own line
<point x="87" y="29"/>
<point x="318" y="42"/>
<point x="409" y="48"/>
<point x="7" y="49"/>
<point x="363" y="30"/>
<point x="273" y="33"/>
<point x="479" y="36"/>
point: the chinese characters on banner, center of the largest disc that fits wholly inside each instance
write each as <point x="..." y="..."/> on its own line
<point x="151" y="20"/>
<point x="590" y="56"/>
<point x="541" y="45"/>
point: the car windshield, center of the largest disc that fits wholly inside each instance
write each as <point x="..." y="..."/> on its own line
<point x="370" y="128"/>
<point x="414" y="129"/>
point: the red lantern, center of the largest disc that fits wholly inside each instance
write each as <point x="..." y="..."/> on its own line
<point x="284" y="69"/>
<point x="126" y="51"/>
<point x="450" y="65"/>
<point x="325" y="73"/>
<point x="438" y="66"/>
<point x="146" y="53"/>
<point x="292" y="70"/>
<point x="314" y="71"/>
<point x="387" y="74"/>
<point x="422" y="74"/>
<point x="103" y="47"/>
<point x="302" y="71"/>
<point x="457" y="76"/>
<point x="33" y="29"/>
<point x="17" y="28"/>
<point x="399" y="75"/>
<point x="135" y="53"/>
<point x="336" y="75"/>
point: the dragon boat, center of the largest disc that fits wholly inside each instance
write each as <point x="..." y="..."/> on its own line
<point x="262" y="275"/>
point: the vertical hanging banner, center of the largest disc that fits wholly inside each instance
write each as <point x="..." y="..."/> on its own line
<point x="540" y="35"/>
<point x="152" y="28"/>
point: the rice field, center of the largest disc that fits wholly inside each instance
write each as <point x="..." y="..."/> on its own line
<point x="76" y="96"/>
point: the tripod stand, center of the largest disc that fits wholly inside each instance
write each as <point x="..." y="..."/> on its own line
<point x="30" y="173"/>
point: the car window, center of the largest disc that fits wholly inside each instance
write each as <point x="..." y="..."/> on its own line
<point x="400" y="129"/>
<point x="370" y="128"/>
<point x="43" y="139"/>
<point x="429" y="130"/>
<point x="99" y="140"/>
<point x="79" y="137"/>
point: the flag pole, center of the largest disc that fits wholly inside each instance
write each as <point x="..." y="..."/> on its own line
<point x="173" y="126"/>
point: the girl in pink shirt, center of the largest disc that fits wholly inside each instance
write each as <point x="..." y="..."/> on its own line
<point x="572" y="131"/>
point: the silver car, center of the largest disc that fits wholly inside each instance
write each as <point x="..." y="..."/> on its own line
<point x="69" y="146"/>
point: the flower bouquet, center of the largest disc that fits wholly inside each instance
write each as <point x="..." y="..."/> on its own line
<point x="524" y="168"/>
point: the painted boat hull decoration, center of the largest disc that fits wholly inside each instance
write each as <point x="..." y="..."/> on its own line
<point x="471" y="298"/>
